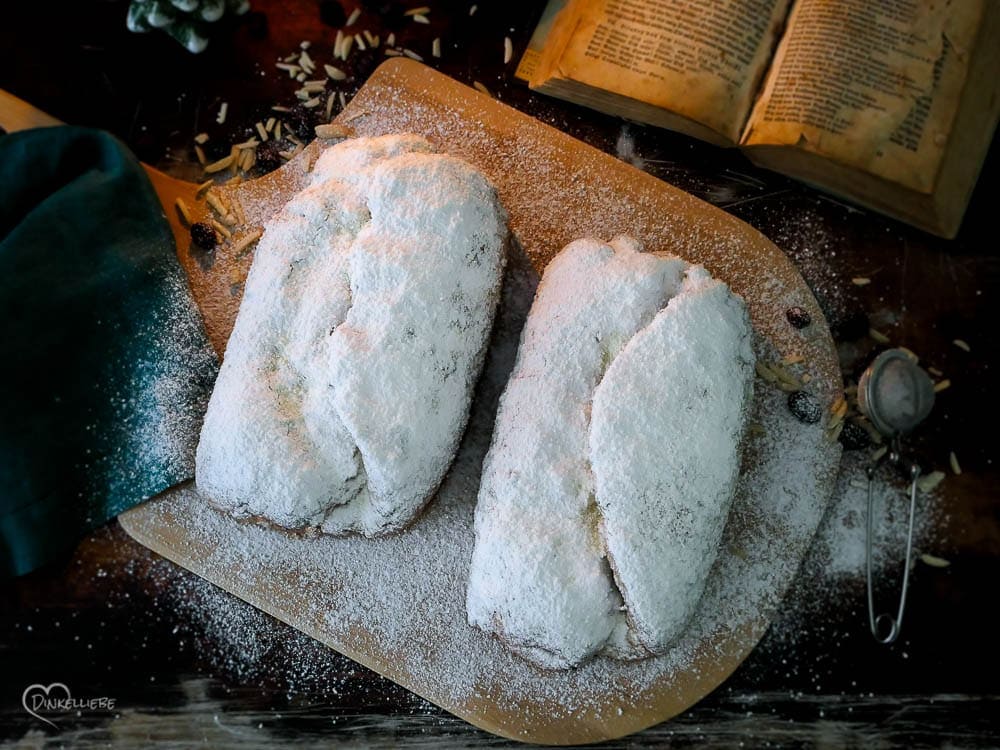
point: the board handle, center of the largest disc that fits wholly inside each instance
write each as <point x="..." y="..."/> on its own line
<point x="16" y="114"/>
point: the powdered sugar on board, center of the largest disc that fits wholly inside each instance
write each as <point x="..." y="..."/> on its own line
<point x="397" y="605"/>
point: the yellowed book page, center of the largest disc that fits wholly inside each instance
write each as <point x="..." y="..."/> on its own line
<point x="871" y="84"/>
<point x="533" y="53"/>
<point x="702" y="60"/>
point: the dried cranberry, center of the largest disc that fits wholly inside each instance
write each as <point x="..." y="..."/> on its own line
<point x="203" y="235"/>
<point x="804" y="407"/>
<point x="269" y="156"/>
<point x="854" y="437"/>
<point x="799" y="317"/>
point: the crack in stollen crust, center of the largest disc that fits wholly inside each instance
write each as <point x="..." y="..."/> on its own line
<point x="455" y="344"/>
<point x="679" y="493"/>
<point x="637" y="649"/>
<point x="363" y="485"/>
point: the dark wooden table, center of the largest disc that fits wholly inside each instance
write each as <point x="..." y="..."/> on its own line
<point x="188" y="664"/>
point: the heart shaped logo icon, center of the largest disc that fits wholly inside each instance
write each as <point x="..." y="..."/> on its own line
<point x="37" y="698"/>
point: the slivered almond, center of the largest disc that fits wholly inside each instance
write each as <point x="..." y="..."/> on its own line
<point x="238" y="210"/>
<point x="785" y="375"/>
<point x="928" y="482"/>
<point x="878" y="336"/>
<point x="182" y="209"/>
<point x="217" y="166"/>
<point x="213" y="200"/>
<point x="934" y="561"/>
<point x="242" y="245"/>
<point x="765" y="372"/>
<point x="351" y="117"/>
<point x="221" y="229"/>
<point x="335" y="73"/>
<point x="333" y="130"/>
<point x="835" y="432"/>
<point x="953" y="462"/>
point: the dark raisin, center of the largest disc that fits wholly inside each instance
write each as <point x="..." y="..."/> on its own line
<point x="332" y="14"/>
<point x="301" y="122"/>
<point x="203" y="235"/>
<point x="799" y="317"/>
<point x="805" y="407"/>
<point x="854" y="437"/>
<point x="269" y="156"/>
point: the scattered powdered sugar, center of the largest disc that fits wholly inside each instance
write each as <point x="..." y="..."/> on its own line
<point x="248" y="646"/>
<point x="840" y="548"/>
<point x="813" y="244"/>
<point x="150" y="440"/>
<point x="827" y="604"/>
<point x="186" y="365"/>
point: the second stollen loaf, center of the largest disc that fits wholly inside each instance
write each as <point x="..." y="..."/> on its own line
<point x="614" y="459"/>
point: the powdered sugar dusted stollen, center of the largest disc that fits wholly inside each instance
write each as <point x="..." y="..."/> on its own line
<point x="361" y="334"/>
<point x="615" y="457"/>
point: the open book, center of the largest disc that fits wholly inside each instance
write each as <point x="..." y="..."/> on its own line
<point x="889" y="103"/>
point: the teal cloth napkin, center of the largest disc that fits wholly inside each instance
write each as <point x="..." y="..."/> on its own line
<point x="106" y="369"/>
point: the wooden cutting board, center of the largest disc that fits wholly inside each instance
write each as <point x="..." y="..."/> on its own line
<point x="397" y="605"/>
